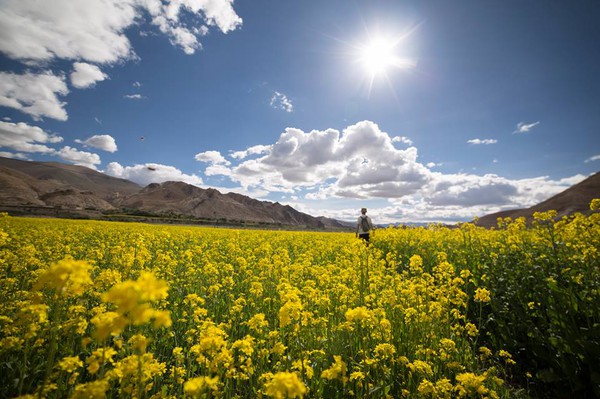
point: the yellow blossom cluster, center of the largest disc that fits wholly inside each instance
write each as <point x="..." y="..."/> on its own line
<point x="102" y="309"/>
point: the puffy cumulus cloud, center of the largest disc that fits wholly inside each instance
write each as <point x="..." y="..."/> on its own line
<point x="90" y="31"/>
<point x="469" y="190"/>
<point x="94" y="31"/>
<point x="169" y="17"/>
<point x="212" y="157"/>
<point x="34" y="94"/>
<point x="38" y="31"/>
<point x="150" y="173"/>
<point x="461" y="197"/>
<point x="280" y="101"/>
<point x="361" y="163"/>
<point x="492" y="190"/>
<point x="26" y="138"/>
<point x="86" y="75"/>
<point x="254" y="150"/>
<point x="78" y="157"/>
<point x="103" y="142"/>
<point x="482" y="141"/>
<point x="524" y="127"/>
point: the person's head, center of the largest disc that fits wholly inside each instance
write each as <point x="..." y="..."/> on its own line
<point x="363" y="210"/>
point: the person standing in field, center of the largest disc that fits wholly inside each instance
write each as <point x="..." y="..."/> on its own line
<point x="364" y="225"/>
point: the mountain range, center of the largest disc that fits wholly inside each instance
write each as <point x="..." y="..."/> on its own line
<point x="57" y="189"/>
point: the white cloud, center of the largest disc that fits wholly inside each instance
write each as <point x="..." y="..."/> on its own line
<point x="26" y="138"/>
<point x="361" y="163"/>
<point x="593" y="158"/>
<point x="280" y="101"/>
<point x="133" y="96"/>
<point x="94" y="31"/>
<point x="217" y="13"/>
<point x="480" y="141"/>
<point x="151" y="173"/>
<point x="86" y="75"/>
<point x="523" y="127"/>
<point x="34" y="94"/>
<point x="402" y="139"/>
<point x="90" y="31"/>
<point x="254" y="150"/>
<point x="102" y="142"/>
<point x="77" y="157"/>
<point x="212" y="157"/>
<point x="38" y="31"/>
<point x="15" y="155"/>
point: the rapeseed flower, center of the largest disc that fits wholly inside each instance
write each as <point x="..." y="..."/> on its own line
<point x="420" y="367"/>
<point x="197" y="386"/>
<point x="337" y="370"/>
<point x="258" y="322"/>
<point x="469" y="384"/>
<point x="91" y="390"/>
<point x="284" y="385"/>
<point x="67" y="277"/>
<point x="70" y="363"/>
<point x="482" y="295"/>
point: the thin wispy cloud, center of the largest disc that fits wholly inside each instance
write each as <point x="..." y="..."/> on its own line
<point x="593" y="158"/>
<point x="402" y="139"/>
<point x="482" y="141"/>
<point x="523" y="127"/>
<point x="134" y="96"/>
<point x="281" y="101"/>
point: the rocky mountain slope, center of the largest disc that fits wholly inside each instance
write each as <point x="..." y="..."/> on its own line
<point x="43" y="187"/>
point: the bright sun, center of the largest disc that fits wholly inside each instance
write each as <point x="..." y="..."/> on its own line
<point x="379" y="55"/>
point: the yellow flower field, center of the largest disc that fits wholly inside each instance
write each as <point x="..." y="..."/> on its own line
<point x="101" y="309"/>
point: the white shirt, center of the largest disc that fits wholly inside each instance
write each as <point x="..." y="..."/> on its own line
<point x="359" y="224"/>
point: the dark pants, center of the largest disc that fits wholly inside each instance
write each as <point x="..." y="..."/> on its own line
<point x="364" y="236"/>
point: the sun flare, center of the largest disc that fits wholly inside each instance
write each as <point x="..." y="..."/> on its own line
<point x="379" y="55"/>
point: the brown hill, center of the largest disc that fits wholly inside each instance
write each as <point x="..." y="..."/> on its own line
<point x="49" y="175"/>
<point x="184" y="199"/>
<point x="42" y="187"/>
<point x="576" y="198"/>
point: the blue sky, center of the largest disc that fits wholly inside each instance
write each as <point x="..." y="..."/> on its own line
<point x="418" y="110"/>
